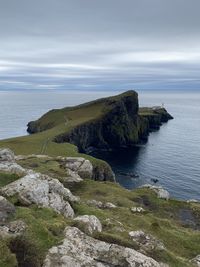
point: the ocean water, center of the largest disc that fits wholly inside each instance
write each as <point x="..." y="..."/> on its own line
<point x="171" y="155"/>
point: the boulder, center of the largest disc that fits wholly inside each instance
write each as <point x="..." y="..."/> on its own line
<point x="6" y="209"/>
<point x="89" y="223"/>
<point x="6" y="155"/>
<point x="42" y="190"/>
<point x="12" y="167"/>
<point x="80" y="250"/>
<point x="80" y="165"/>
<point x="146" y="242"/>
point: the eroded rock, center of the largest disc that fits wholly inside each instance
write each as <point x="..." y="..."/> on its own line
<point x="42" y="190"/>
<point x="80" y="250"/>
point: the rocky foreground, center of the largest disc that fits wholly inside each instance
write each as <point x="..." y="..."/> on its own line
<point x="57" y="217"/>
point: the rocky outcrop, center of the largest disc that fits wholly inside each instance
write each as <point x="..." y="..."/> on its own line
<point x="7" y="155"/>
<point x="79" y="250"/>
<point x="42" y="190"/>
<point x="88" y="223"/>
<point x="81" y="166"/>
<point x="155" y="116"/>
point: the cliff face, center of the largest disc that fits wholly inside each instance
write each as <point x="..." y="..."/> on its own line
<point x="119" y="126"/>
<point x="107" y="123"/>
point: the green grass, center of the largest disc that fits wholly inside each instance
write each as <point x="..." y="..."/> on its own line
<point x="7" y="178"/>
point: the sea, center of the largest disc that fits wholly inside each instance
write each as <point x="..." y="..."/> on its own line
<point x="171" y="157"/>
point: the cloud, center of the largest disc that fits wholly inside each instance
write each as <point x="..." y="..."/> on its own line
<point x="123" y="44"/>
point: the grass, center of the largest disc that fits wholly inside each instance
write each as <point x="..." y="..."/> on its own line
<point x="182" y="243"/>
<point x="7" y="178"/>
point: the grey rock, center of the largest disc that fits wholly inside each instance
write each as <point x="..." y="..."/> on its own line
<point x="72" y="177"/>
<point x="79" y="165"/>
<point x="6" y="155"/>
<point x="137" y="209"/>
<point x="42" y="190"/>
<point x="6" y="209"/>
<point x="196" y="261"/>
<point x="90" y="223"/>
<point x="146" y="242"/>
<point x="12" y="167"/>
<point x="80" y="250"/>
<point x="161" y="193"/>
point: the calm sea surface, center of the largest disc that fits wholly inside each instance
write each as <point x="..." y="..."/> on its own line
<point x="171" y="155"/>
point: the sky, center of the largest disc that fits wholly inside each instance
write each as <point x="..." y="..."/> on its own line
<point x="99" y="44"/>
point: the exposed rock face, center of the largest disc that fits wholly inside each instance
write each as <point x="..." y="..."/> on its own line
<point x="156" y="116"/>
<point x="6" y="209"/>
<point x="80" y="250"/>
<point x="90" y="223"/>
<point x="39" y="189"/>
<point x="146" y="242"/>
<point x="117" y="127"/>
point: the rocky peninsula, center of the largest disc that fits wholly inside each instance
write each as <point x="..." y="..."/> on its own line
<point x="62" y="207"/>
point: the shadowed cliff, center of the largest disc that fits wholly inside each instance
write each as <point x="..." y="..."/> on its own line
<point x="106" y="123"/>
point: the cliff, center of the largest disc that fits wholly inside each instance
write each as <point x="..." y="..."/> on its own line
<point x="113" y="122"/>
